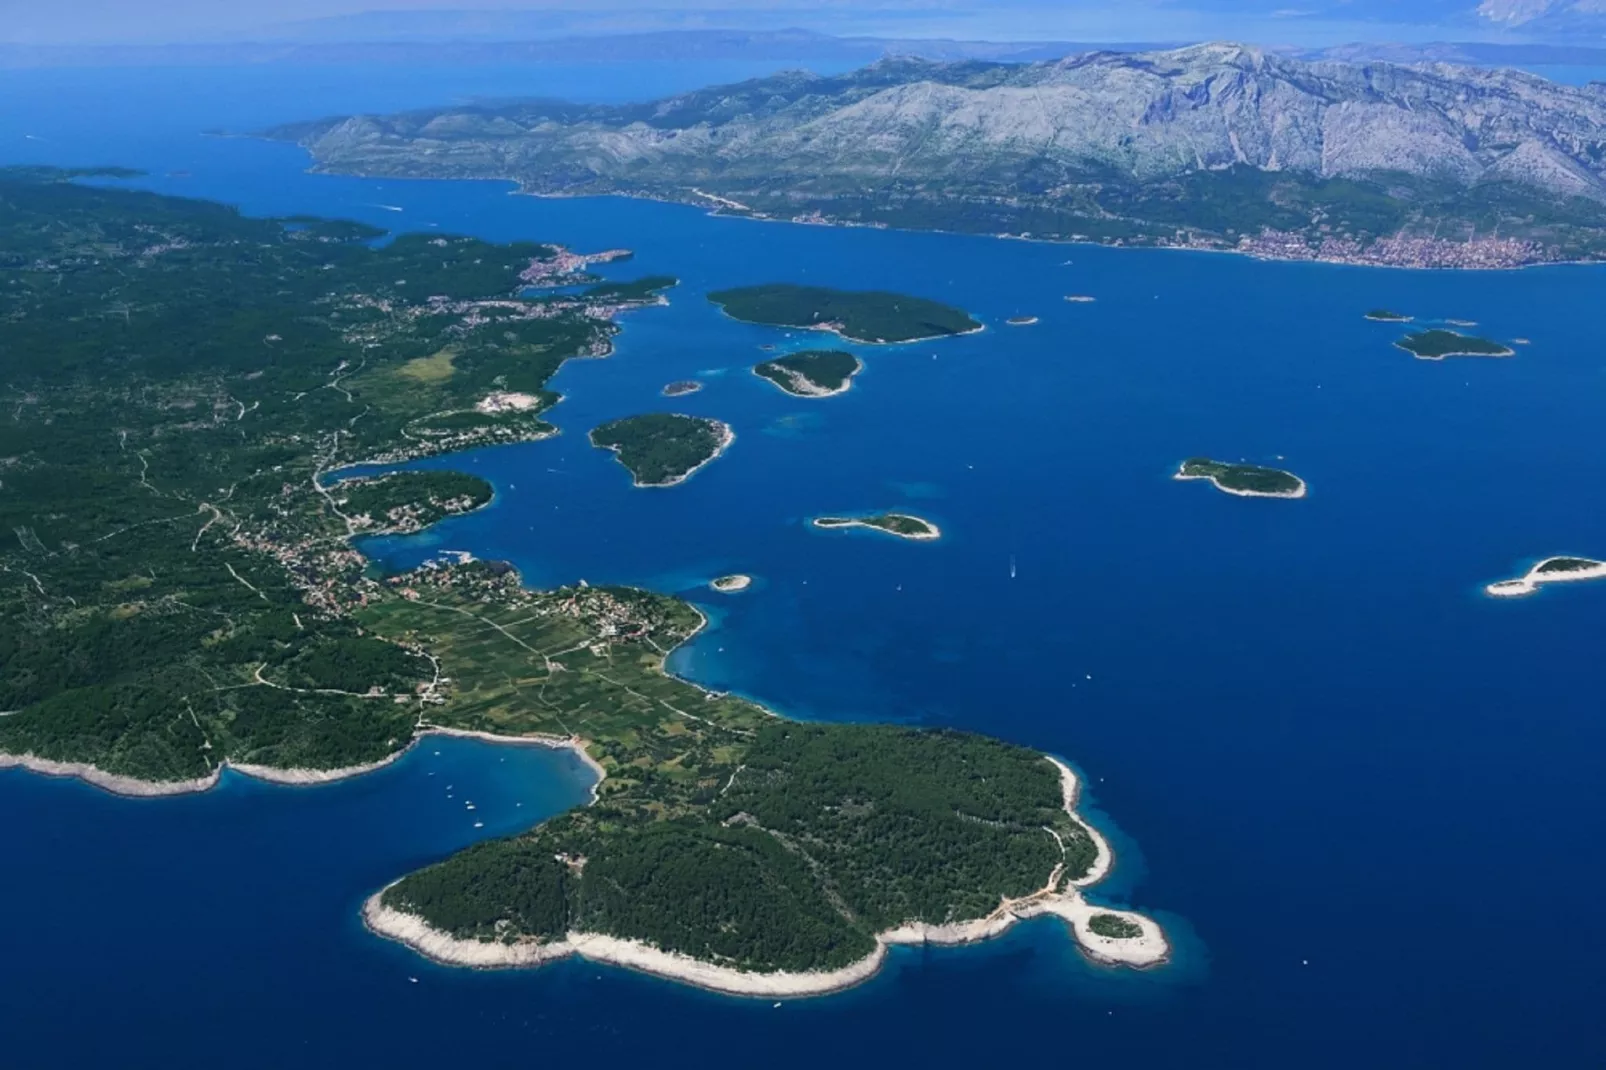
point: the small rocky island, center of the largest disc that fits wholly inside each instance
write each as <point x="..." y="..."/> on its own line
<point x="732" y="583"/>
<point x="900" y="524"/>
<point x="1021" y="321"/>
<point x="1384" y="315"/>
<point x="1244" y="480"/>
<point x="1550" y="570"/>
<point x="816" y="373"/>
<point x="1440" y="343"/>
<point x="870" y="316"/>
<point x="662" y="449"/>
<point x="682" y="386"/>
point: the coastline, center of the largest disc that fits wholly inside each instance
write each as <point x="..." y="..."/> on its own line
<point x="1533" y="579"/>
<point x="836" y="328"/>
<point x="1505" y="351"/>
<point x="847" y="523"/>
<point x="520" y="189"/>
<point x="803" y="387"/>
<point x="289" y="776"/>
<point x="1148" y="949"/>
<point x="1300" y="493"/>
<point x="726" y="437"/>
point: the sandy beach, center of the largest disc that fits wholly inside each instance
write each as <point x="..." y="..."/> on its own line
<point x="1149" y="948"/>
<point x="1534" y="579"/>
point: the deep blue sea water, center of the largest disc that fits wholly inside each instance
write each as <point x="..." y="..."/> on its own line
<point x="1365" y="799"/>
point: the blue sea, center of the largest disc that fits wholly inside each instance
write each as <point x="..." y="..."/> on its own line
<point x="1365" y="800"/>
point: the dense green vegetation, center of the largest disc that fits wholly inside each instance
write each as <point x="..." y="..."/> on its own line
<point x="661" y="449"/>
<point x="1243" y="478"/>
<point x="812" y="373"/>
<point x="1440" y="343"/>
<point x="1566" y="564"/>
<point x="634" y="291"/>
<point x="1114" y="927"/>
<point x="910" y="527"/>
<point x="1383" y="315"/>
<point x="720" y="831"/>
<point x="408" y="501"/>
<point x="177" y="378"/>
<point x="183" y="386"/>
<point x="860" y="316"/>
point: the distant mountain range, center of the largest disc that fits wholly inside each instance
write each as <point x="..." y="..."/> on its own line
<point x="779" y="45"/>
<point x="1207" y="145"/>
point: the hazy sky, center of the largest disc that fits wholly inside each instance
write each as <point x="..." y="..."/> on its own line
<point x="1303" y="21"/>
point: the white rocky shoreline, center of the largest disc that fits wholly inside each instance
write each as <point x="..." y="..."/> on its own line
<point x="1063" y="899"/>
<point x="1538" y="576"/>
<point x="133" y="787"/>
<point x="1185" y="476"/>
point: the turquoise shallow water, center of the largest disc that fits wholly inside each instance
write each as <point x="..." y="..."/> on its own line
<point x="1329" y="763"/>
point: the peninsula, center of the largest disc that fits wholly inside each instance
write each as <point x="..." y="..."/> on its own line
<point x="663" y="449"/>
<point x="900" y="524"/>
<point x="1440" y="343"/>
<point x="871" y="316"/>
<point x="1244" y="480"/>
<point x="184" y="595"/>
<point x="815" y="373"/>
<point x="1550" y="570"/>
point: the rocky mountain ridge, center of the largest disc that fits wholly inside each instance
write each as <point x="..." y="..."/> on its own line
<point x="1488" y="148"/>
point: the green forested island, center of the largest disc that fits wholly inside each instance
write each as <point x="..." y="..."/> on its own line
<point x="1384" y="315"/>
<point x="859" y="316"/>
<point x="1440" y="343"/>
<point x="1245" y="480"/>
<point x="900" y="524"/>
<point x="661" y="449"/>
<point x="815" y="373"/>
<point x="183" y="592"/>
